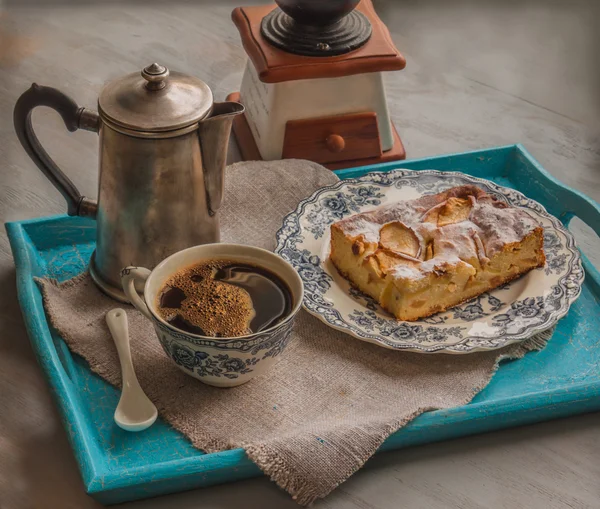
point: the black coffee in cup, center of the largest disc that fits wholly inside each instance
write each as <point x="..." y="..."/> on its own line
<point x="224" y="298"/>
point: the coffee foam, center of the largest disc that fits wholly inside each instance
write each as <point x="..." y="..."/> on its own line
<point x="219" y="309"/>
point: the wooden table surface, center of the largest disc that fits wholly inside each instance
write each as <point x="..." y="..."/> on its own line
<point x="479" y="74"/>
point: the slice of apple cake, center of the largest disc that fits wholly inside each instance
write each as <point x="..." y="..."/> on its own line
<point x="423" y="256"/>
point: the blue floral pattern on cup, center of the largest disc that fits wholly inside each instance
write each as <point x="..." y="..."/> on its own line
<point x="231" y="359"/>
<point x="183" y="355"/>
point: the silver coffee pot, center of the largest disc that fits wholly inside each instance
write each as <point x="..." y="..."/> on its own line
<point x="163" y="148"/>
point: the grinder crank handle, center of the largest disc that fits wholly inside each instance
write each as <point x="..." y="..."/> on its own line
<point x="74" y="117"/>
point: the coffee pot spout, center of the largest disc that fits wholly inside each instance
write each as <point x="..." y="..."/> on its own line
<point x="214" y="139"/>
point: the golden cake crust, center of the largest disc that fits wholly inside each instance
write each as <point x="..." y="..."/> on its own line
<point x="422" y="256"/>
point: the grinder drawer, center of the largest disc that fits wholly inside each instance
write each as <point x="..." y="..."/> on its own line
<point x="332" y="139"/>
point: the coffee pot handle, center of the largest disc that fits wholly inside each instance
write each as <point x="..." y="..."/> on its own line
<point x="74" y="117"/>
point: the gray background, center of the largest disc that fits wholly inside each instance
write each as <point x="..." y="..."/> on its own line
<point x="479" y="74"/>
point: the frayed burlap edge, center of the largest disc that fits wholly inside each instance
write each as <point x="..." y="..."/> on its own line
<point x="93" y="363"/>
<point x="304" y="493"/>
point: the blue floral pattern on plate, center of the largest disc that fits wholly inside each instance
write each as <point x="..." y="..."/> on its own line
<point x="337" y="205"/>
<point x="508" y="314"/>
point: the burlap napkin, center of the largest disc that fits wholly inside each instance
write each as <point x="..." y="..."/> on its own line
<point x="331" y="400"/>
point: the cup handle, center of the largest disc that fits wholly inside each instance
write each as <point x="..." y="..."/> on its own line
<point x="129" y="277"/>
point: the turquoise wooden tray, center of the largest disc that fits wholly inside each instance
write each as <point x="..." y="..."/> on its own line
<point x="117" y="466"/>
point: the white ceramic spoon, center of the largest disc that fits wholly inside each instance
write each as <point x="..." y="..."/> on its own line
<point x="135" y="412"/>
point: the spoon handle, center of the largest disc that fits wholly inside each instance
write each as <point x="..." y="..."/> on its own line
<point x="119" y="328"/>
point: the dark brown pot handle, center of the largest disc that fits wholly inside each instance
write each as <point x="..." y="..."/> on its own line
<point x="74" y="117"/>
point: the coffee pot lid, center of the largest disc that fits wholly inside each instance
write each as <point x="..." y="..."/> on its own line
<point x="155" y="100"/>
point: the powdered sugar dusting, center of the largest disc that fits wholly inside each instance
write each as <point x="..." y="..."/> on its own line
<point x="500" y="226"/>
<point x="490" y="225"/>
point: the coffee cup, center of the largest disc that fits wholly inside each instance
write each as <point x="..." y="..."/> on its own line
<point x="218" y="361"/>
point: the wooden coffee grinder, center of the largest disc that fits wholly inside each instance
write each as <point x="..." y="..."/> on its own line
<point x="313" y="85"/>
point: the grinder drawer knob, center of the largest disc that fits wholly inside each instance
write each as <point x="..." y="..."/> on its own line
<point x="335" y="143"/>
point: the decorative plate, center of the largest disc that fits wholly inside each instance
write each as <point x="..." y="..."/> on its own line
<point x="513" y="312"/>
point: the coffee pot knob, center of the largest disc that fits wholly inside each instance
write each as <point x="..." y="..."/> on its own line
<point x="156" y="75"/>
